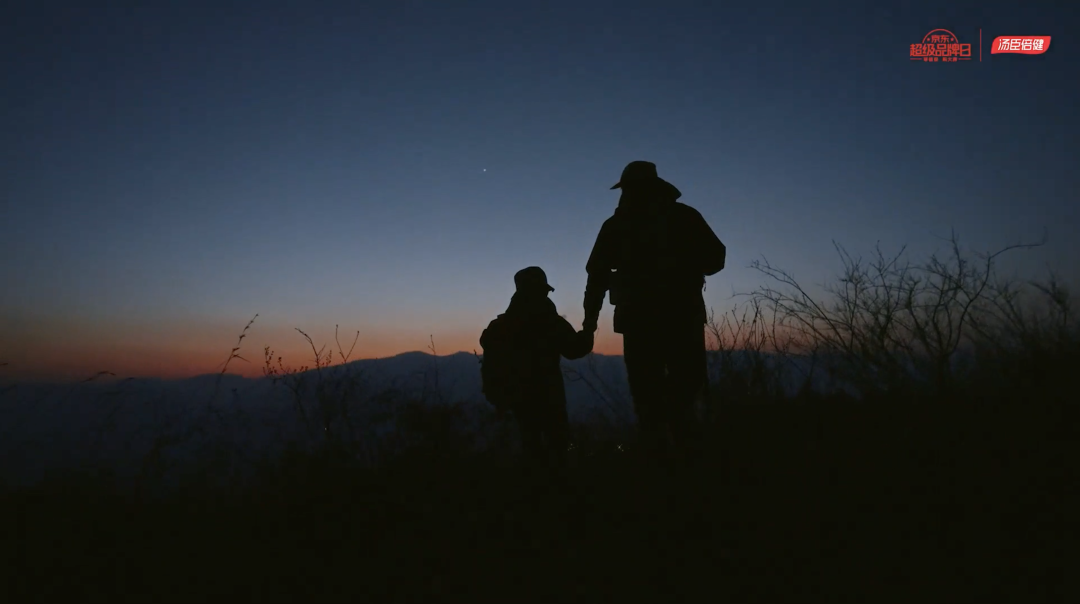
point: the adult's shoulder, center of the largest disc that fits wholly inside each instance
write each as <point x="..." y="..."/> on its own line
<point x="611" y="221"/>
<point x="687" y="211"/>
<point x="610" y="227"/>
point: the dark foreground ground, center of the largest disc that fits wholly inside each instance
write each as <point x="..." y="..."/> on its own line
<point x="930" y="503"/>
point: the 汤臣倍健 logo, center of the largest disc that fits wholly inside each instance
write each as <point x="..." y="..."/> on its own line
<point x="1020" y="45"/>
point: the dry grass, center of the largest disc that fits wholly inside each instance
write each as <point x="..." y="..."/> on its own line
<point x="929" y="466"/>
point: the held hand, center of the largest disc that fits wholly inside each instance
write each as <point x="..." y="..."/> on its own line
<point x="589" y="326"/>
<point x="587" y="338"/>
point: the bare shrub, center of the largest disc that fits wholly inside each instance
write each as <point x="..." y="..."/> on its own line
<point x="890" y="327"/>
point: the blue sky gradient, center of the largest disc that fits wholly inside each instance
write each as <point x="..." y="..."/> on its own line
<point x="387" y="166"/>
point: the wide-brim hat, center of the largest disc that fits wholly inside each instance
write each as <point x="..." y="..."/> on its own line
<point x="644" y="173"/>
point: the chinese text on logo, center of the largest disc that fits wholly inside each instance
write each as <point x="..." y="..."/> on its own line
<point x="1021" y="45"/>
<point x="940" y="46"/>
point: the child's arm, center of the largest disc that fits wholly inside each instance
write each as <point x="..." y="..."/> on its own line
<point x="574" y="344"/>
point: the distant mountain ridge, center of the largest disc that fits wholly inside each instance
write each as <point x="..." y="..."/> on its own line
<point x="46" y="425"/>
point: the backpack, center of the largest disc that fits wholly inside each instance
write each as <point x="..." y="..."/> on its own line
<point x="503" y="366"/>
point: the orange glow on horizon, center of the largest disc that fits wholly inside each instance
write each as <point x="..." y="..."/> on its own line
<point x="70" y="350"/>
<point x="43" y="348"/>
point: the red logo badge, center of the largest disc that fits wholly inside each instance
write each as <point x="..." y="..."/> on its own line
<point x="940" y="46"/>
<point x="1020" y="45"/>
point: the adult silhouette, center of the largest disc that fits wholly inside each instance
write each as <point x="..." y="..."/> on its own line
<point x="652" y="256"/>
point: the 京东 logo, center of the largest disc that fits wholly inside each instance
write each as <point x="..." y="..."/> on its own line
<point x="940" y="46"/>
<point x="1020" y="45"/>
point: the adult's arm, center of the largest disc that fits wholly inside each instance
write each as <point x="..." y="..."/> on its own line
<point x="601" y="263"/>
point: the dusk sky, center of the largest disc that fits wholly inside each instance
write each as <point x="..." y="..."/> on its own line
<point x="171" y="169"/>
